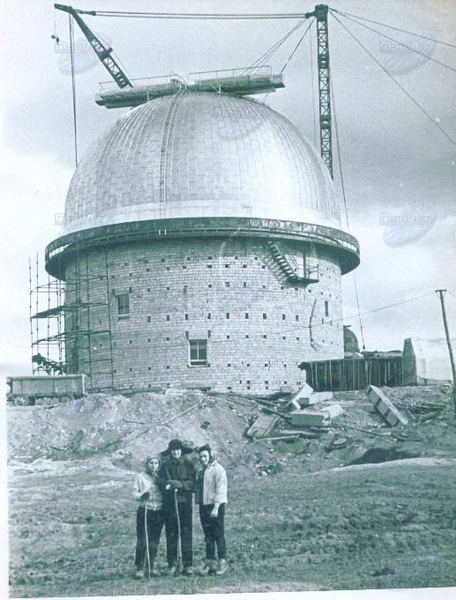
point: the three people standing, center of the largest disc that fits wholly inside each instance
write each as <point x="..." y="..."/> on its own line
<point x="164" y="491"/>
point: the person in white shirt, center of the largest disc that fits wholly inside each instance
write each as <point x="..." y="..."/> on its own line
<point x="211" y="495"/>
<point x="150" y="517"/>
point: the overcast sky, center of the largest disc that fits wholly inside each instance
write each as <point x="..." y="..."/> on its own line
<point x="396" y="163"/>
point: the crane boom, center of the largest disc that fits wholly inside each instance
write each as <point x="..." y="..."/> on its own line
<point x="102" y="51"/>
<point x="324" y="85"/>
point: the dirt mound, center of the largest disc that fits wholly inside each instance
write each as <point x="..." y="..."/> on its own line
<point x="126" y="428"/>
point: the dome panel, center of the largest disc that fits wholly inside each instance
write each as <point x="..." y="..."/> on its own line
<point x="200" y="155"/>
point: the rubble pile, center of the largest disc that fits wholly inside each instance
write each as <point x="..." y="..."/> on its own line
<point x="305" y="430"/>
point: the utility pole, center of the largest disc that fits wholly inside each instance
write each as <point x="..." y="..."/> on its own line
<point x="450" y="349"/>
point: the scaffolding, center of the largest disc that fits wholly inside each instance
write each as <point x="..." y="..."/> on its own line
<point x="69" y="322"/>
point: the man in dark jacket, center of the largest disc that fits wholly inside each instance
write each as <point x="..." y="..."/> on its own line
<point x="176" y="478"/>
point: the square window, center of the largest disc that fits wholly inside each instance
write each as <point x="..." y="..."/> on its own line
<point x="198" y="352"/>
<point x="227" y="284"/>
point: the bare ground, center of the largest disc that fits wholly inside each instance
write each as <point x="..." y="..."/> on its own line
<point x="378" y="513"/>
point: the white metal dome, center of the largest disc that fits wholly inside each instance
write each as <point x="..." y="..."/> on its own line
<point x="201" y="155"/>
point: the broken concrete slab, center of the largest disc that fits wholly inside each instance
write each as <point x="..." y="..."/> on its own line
<point x="315" y="398"/>
<point x="385" y="407"/>
<point x="308" y="418"/>
<point x="333" y="410"/>
<point x="262" y="426"/>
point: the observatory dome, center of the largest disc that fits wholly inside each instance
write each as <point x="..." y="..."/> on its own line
<point x="194" y="155"/>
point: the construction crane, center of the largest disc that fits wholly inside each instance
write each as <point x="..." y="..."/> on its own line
<point x="247" y="84"/>
<point x="102" y="51"/>
<point x="324" y="86"/>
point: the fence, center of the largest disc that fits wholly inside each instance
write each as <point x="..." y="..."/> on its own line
<point x="355" y="373"/>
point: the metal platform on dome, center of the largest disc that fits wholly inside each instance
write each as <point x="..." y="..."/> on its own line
<point x="239" y="82"/>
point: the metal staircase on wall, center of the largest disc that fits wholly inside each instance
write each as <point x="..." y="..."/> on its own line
<point x="290" y="269"/>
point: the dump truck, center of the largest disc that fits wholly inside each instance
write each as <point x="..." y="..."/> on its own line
<point x="33" y="389"/>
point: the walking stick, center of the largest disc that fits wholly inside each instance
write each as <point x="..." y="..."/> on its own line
<point x="179" y="544"/>
<point x="147" y="540"/>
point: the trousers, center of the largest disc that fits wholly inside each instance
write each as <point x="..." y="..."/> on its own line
<point x="149" y="525"/>
<point x="186" y="534"/>
<point x="214" y="531"/>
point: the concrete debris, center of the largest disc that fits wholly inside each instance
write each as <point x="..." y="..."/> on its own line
<point x="385" y="407"/>
<point x="262" y="426"/>
<point x="307" y="397"/>
<point x="316" y="398"/>
<point x="309" y="418"/>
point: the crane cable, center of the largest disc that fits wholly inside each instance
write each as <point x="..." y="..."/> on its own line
<point x="266" y="55"/>
<point x="424" y="37"/>
<point x="216" y="16"/>
<point x="397" y="83"/>
<point x="403" y="44"/>
<point x="73" y="88"/>
<point x="342" y="182"/>
<point x="296" y="47"/>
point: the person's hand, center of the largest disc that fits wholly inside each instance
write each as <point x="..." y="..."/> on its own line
<point x="214" y="512"/>
<point x="175" y="484"/>
<point x="145" y="496"/>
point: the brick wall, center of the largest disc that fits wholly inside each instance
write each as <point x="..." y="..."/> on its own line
<point x="258" y="326"/>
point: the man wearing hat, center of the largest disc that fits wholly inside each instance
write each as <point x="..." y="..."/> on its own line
<point x="177" y="479"/>
<point x="211" y="495"/>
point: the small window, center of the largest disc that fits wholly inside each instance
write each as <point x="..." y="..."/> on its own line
<point x="265" y="316"/>
<point x="198" y="352"/>
<point x="326" y="308"/>
<point x="123" y="306"/>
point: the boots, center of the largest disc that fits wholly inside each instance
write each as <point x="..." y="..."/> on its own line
<point x="221" y="567"/>
<point x="209" y="567"/>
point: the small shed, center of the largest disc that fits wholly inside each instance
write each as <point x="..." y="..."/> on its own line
<point x="426" y="362"/>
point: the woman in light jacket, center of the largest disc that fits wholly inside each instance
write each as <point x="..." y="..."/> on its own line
<point x="149" y="517"/>
<point x="211" y="495"/>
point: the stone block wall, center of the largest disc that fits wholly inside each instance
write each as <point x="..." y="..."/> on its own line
<point x="258" y="326"/>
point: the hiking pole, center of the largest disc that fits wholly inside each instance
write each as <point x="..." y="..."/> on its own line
<point x="179" y="545"/>
<point x="147" y="540"/>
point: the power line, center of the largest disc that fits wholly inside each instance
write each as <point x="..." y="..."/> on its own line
<point x="425" y="37"/>
<point x="397" y="83"/>
<point x="403" y="44"/>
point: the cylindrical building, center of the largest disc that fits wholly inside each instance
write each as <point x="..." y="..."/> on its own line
<point x="202" y="246"/>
